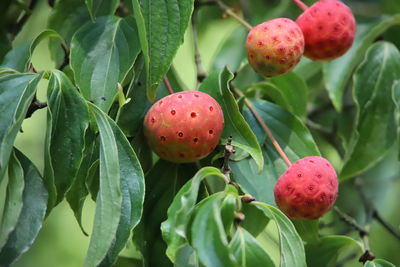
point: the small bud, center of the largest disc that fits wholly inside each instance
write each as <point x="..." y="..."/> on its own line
<point x="246" y="198"/>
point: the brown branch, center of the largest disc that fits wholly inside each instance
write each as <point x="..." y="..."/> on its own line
<point x="373" y="212"/>
<point x="168" y="85"/>
<point x="201" y="73"/>
<point x="35" y="105"/>
<point x="228" y="152"/>
<point x="264" y="127"/>
<point x="231" y="13"/>
<point x="367" y="255"/>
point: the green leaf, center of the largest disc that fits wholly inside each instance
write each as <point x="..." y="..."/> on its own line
<point x="165" y="25"/>
<point x="396" y="99"/>
<point x="76" y="196"/>
<point x="174" y="229"/>
<point x="291" y="246"/>
<point x="120" y="199"/>
<point x="293" y="91"/>
<point x="14" y="199"/>
<point x="19" y="58"/>
<point x="208" y="237"/>
<point x="290" y="132"/>
<point x="375" y="130"/>
<point x="34" y="200"/>
<point x="186" y="257"/>
<point x="65" y="18"/>
<point x="327" y="251"/>
<point x="99" y="8"/>
<point x="255" y="220"/>
<point x="308" y="230"/>
<point x="338" y="72"/>
<point x="248" y="251"/>
<point x="102" y="53"/>
<point x="5" y="44"/>
<point x="67" y="121"/>
<point x="217" y="86"/>
<point x="232" y="52"/>
<point x="16" y="94"/>
<point x="378" y="263"/>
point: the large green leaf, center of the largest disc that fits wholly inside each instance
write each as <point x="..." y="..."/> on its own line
<point x="338" y="72"/>
<point x="76" y="196"/>
<point x="14" y="199"/>
<point x="67" y="121"/>
<point x="327" y="251"/>
<point x="248" y="251"/>
<point x="208" y="236"/>
<point x="292" y="93"/>
<point x="291" y="246"/>
<point x="165" y="23"/>
<point x="19" y="58"/>
<point x="99" y="8"/>
<point x="174" y="229"/>
<point x="34" y="200"/>
<point x="121" y="194"/>
<point x="102" y="53"/>
<point x="217" y="85"/>
<point x="290" y="132"/>
<point x="16" y="94"/>
<point x="375" y="130"/>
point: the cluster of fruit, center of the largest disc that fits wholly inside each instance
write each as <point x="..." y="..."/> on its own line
<point x="323" y="32"/>
<point x="187" y="126"/>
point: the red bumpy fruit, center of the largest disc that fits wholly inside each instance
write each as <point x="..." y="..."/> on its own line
<point x="184" y="126"/>
<point x="275" y="46"/>
<point x="308" y="189"/>
<point x="329" y="28"/>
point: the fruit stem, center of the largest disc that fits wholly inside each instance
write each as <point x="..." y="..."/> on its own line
<point x="201" y="73"/>
<point x="231" y="13"/>
<point x="264" y="127"/>
<point x="168" y="85"/>
<point x="300" y="4"/>
<point x="228" y="152"/>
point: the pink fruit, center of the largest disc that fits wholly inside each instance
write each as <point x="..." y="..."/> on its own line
<point x="308" y="189"/>
<point x="184" y="126"/>
<point x="329" y="28"/>
<point x="275" y="46"/>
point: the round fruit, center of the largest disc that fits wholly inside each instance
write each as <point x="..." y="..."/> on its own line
<point x="184" y="126"/>
<point x="275" y="46"/>
<point x="308" y="189"/>
<point x="329" y="28"/>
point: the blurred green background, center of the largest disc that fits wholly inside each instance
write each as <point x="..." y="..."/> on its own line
<point x="61" y="242"/>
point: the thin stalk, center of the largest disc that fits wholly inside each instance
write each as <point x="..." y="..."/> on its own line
<point x="300" y="4"/>
<point x="168" y="85"/>
<point x="230" y="12"/>
<point x="264" y="127"/>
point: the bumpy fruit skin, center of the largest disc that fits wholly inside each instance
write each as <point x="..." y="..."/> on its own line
<point x="275" y="46"/>
<point x="184" y="126"/>
<point x="329" y="28"/>
<point x="308" y="189"/>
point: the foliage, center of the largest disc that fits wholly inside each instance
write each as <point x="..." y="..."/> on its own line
<point x="108" y="62"/>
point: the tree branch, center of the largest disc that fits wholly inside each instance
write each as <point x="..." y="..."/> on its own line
<point x="231" y="13"/>
<point x="367" y="255"/>
<point x="228" y="152"/>
<point x="373" y="212"/>
<point x="201" y="73"/>
<point x="264" y="127"/>
<point x="35" y="105"/>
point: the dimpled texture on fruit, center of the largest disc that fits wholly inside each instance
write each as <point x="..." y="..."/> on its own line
<point x="329" y="28"/>
<point x="184" y="126"/>
<point x="308" y="189"/>
<point x="275" y="46"/>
